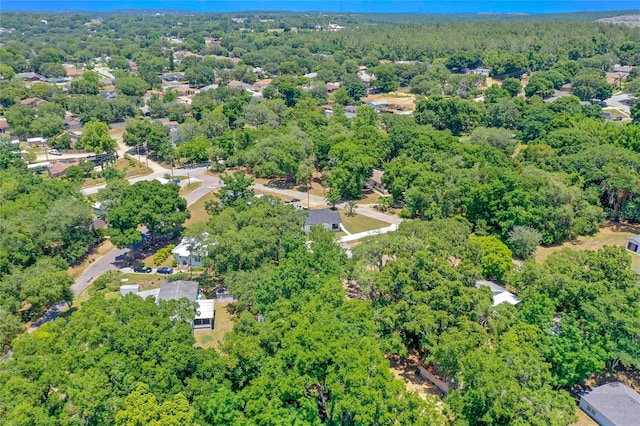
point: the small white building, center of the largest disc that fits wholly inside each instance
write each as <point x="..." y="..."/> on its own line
<point x="191" y="251"/>
<point x="204" y="314"/>
<point x="500" y="294"/>
<point x="328" y="218"/>
<point x="633" y="244"/>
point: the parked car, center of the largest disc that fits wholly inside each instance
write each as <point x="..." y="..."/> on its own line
<point x="221" y="290"/>
<point x="55" y="152"/>
<point x="175" y="180"/>
<point x="142" y="268"/>
<point x="165" y="270"/>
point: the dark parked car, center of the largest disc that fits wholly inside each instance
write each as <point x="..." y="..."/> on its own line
<point x="142" y="268"/>
<point x="221" y="290"/>
<point x="165" y="270"/>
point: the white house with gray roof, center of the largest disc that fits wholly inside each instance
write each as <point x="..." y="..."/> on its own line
<point x="328" y="218"/>
<point x="613" y="404"/>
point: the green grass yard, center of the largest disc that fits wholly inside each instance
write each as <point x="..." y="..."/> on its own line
<point x="360" y="223"/>
<point x="222" y="323"/>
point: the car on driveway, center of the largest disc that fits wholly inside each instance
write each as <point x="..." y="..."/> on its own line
<point x="55" y="152"/>
<point x="221" y="290"/>
<point x="142" y="268"/>
<point x="165" y="270"/>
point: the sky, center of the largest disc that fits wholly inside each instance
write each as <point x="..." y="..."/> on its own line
<point x="375" y="6"/>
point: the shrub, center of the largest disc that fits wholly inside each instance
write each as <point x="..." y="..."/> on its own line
<point x="523" y="241"/>
<point x="162" y="254"/>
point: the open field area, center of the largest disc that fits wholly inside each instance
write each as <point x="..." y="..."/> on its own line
<point x="406" y="100"/>
<point x="223" y="323"/>
<point x="610" y="234"/>
<point x="130" y="167"/>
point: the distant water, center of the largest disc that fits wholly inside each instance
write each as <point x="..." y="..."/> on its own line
<point x="360" y="6"/>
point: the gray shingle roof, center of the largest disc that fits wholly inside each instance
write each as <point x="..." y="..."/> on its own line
<point x="179" y="289"/>
<point x="317" y="217"/>
<point x="617" y="402"/>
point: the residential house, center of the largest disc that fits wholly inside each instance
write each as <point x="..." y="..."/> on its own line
<point x="366" y="78"/>
<point x="612" y="404"/>
<point x="177" y="290"/>
<point x="74" y="72"/>
<point x="209" y="87"/>
<point x="59" y="168"/>
<point x="235" y="84"/>
<point x="633" y="244"/>
<point x="30" y="76"/>
<point x="332" y="87"/>
<point x="33" y="102"/>
<point x="263" y="84"/>
<point x="327" y="218"/>
<point x="500" y="294"/>
<point x="145" y="111"/>
<point x="172" y="77"/>
<point x="208" y="41"/>
<point x="4" y="126"/>
<point x="72" y="123"/>
<point x="185" y="91"/>
<point x="375" y="181"/>
<point x="622" y="68"/>
<point x="172" y="125"/>
<point x="481" y="71"/>
<point x="31" y="142"/>
<point x="184" y="255"/>
<point x="378" y="105"/>
<point x="97" y="224"/>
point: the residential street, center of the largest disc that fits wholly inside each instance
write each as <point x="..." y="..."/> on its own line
<point x="209" y="183"/>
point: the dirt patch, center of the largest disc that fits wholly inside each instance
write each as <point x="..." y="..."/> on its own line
<point x="610" y="234"/>
<point x="94" y="254"/>
<point x="405" y="100"/>
<point x="406" y="369"/>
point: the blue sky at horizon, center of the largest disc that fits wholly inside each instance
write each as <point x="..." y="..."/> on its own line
<point x="361" y="6"/>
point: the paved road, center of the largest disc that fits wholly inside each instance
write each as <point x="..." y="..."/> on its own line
<point x="363" y="209"/>
<point x="109" y="260"/>
<point x="209" y="183"/>
<point x="621" y="102"/>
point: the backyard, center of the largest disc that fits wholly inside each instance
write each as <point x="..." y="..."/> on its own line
<point x="222" y="323"/>
<point x="610" y="234"/>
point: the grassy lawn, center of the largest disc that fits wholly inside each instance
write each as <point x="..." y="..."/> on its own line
<point x="198" y="212"/>
<point x="130" y="167"/>
<point x="583" y="419"/>
<point x="610" y="234"/>
<point x="223" y="323"/>
<point x="145" y="281"/>
<point x="184" y="190"/>
<point x="360" y="223"/>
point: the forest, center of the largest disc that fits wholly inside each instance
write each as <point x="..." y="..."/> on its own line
<point x="483" y="168"/>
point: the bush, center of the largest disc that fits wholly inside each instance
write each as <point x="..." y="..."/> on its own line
<point x="178" y="276"/>
<point x="523" y="241"/>
<point x="110" y="280"/>
<point x="162" y="254"/>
